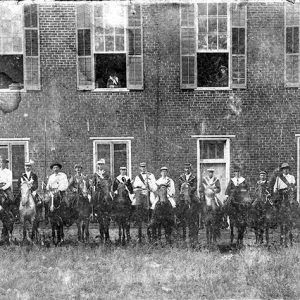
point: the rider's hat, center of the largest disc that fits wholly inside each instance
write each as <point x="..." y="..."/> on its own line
<point x="164" y="169"/>
<point x="262" y="172"/>
<point x="187" y="165"/>
<point x="78" y="166"/>
<point x="29" y="162"/>
<point x="285" y="166"/>
<point x="210" y="170"/>
<point x="123" y="168"/>
<point x="55" y="164"/>
<point x="142" y="164"/>
<point x="101" y="161"/>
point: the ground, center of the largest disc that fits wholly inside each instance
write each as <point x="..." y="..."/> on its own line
<point x="77" y="271"/>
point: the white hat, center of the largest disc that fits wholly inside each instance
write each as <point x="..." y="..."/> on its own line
<point x="30" y="162"/>
<point x="101" y="161"/>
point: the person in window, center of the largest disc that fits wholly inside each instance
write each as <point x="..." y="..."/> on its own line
<point x="166" y="180"/>
<point x="100" y="175"/>
<point x="222" y="77"/>
<point x="113" y="81"/>
<point x="58" y="181"/>
<point x="29" y="176"/>
<point x="79" y="184"/>
<point x="5" y="184"/>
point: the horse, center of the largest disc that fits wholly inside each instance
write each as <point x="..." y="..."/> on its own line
<point x="7" y="218"/>
<point x="262" y="214"/>
<point x="122" y="212"/>
<point x="163" y="215"/>
<point x="102" y="208"/>
<point x="187" y="213"/>
<point x="27" y="210"/>
<point x="237" y="208"/>
<point x="141" y="211"/>
<point x="212" y="213"/>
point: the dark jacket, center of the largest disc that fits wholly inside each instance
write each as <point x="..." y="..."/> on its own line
<point x="32" y="177"/>
<point x="192" y="181"/>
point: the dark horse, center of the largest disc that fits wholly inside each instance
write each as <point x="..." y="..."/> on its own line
<point x="262" y="214"/>
<point x="141" y="212"/>
<point x="102" y="207"/>
<point x="122" y="212"/>
<point x="187" y="212"/>
<point x="163" y="215"/>
<point x="7" y="218"/>
<point x="237" y="208"/>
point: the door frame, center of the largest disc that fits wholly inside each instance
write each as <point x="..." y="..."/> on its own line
<point x="226" y="160"/>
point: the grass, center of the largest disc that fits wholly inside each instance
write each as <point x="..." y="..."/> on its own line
<point x="142" y="272"/>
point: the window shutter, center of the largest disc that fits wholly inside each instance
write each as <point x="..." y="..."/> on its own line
<point x="134" y="61"/>
<point x="31" y="53"/>
<point x="188" y="54"/>
<point x="85" y="73"/>
<point x="292" y="45"/>
<point x="239" y="45"/>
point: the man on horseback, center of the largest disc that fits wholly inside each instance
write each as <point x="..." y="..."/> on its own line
<point x="123" y="178"/>
<point x="58" y="181"/>
<point x="189" y="178"/>
<point x="79" y="184"/>
<point x="167" y="181"/>
<point x="101" y="175"/>
<point x="262" y="188"/>
<point x="29" y="176"/>
<point x="146" y="181"/>
<point x="5" y="184"/>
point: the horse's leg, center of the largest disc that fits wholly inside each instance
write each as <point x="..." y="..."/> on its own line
<point x="53" y="228"/>
<point x="79" y="234"/>
<point x="120" y="231"/>
<point x="281" y="234"/>
<point x="107" y="237"/>
<point x="128" y="229"/>
<point x="231" y="233"/>
<point x="123" y="232"/>
<point x="267" y="233"/>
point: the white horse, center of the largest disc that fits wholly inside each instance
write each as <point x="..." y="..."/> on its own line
<point x="27" y="209"/>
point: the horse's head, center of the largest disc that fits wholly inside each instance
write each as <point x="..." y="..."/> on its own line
<point x="102" y="193"/>
<point x="25" y="192"/>
<point x="162" y="193"/>
<point x="241" y="196"/>
<point x="122" y="195"/>
<point x="185" y="192"/>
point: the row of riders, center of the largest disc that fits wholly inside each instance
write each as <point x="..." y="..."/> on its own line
<point x="150" y="201"/>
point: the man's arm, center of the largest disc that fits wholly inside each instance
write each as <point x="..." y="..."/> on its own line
<point x="7" y="180"/>
<point x="63" y="183"/>
<point x="35" y="183"/>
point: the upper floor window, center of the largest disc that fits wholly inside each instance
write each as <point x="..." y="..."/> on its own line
<point x="213" y="45"/>
<point x="19" y="46"/>
<point x="292" y="23"/>
<point x="110" y="47"/>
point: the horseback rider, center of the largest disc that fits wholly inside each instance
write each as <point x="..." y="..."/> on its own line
<point x="262" y="188"/>
<point x="5" y="184"/>
<point x="123" y="178"/>
<point x="101" y="175"/>
<point x="58" y="181"/>
<point x="146" y="181"/>
<point x="167" y="181"/>
<point x="31" y="177"/>
<point x="79" y="184"/>
<point x="236" y="182"/>
<point x="189" y="178"/>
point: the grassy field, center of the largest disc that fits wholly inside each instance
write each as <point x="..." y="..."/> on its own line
<point x="145" y="272"/>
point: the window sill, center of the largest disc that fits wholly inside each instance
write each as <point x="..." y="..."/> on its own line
<point x="12" y="91"/>
<point x="213" y="89"/>
<point x="99" y="90"/>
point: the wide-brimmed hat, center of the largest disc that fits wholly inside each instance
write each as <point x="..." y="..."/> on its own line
<point x="29" y="162"/>
<point x="285" y="166"/>
<point x="55" y="164"/>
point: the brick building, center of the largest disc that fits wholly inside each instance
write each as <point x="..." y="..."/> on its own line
<point x="212" y="83"/>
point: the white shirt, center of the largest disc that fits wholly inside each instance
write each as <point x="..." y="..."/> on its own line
<point x="187" y="176"/>
<point x="167" y="181"/>
<point x="280" y="185"/>
<point x="58" y="181"/>
<point x="6" y="177"/>
<point x="148" y="178"/>
<point x="237" y="181"/>
<point x="28" y="174"/>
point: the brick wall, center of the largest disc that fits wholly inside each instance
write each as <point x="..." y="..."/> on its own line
<point x="264" y="128"/>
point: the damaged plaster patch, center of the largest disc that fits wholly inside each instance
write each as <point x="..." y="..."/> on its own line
<point x="234" y="106"/>
<point x="9" y="102"/>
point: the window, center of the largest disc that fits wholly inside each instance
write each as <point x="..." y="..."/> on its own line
<point x="212" y="149"/>
<point x="17" y="153"/>
<point x="292" y="44"/>
<point x="117" y="153"/>
<point x="110" y="47"/>
<point x="213" y="49"/>
<point x="19" y="66"/>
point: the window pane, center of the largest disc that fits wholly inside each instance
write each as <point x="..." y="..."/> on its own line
<point x="99" y="43"/>
<point x="212" y="69"/>
<point x="30" y="15"/>
<point x="32" y="71"/>
<point x="135" y="70"/>
<point x="134" y="20"/>
<point x="222" y="40"/>
<point x="202" y="25"/>
<point x="292" y="68"/>
<point x="212" y="25"/>
<point x="239" y="16"/>
<point x="187" y="15"/>
<point x="17" y="44"/>
<point x="188" y="69"/>
<point x="18" y="160"/>
<point x="134" y="38"/>
<point x="238" y="69"/>
<point x="120" y="157"/>
<point x="202" y="9"/>
<point x="84" y="42"/>
<point x="103" y="151"/>
<point x="109" y="43"/>
<point x="83" y="16"/>
<point x="202" y="41"/>
<point x="187" y="41"/>
<point x="222" y="26"/>
<point x="31" y="41"/>
<point x="212" y="149"/>
<point x="110" y="65"/>
<point x="238" y="40"/>
<point x="222" y="9"/>
<point x="11" y="70"/>
<point x="212" y="42"/>
<point x="212" y="9"/>
<point x="85" y="72"/>
<point x="292" y="39"/>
